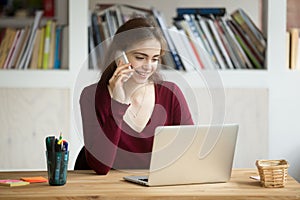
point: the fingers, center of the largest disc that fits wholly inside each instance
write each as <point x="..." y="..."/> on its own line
<point x="125" y="70"/>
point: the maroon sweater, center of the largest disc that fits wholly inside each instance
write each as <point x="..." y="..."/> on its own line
<point x="118" y="146"/>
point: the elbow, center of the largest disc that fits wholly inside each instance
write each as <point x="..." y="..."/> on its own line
<point x="96" y="165"/>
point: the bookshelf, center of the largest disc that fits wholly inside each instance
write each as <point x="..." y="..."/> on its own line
<point x="272" y="120"/>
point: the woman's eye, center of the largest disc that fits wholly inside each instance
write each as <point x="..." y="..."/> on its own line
<point x="155" y="60"/>
<point x="139" y="58"/>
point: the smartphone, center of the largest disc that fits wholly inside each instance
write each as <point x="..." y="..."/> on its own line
<point x="125" y="60"/>
<point x="124" y="57"/>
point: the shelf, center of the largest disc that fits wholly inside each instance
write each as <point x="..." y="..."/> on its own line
<point x="19" y="22"/>
<point x="35" y="78"/>
<point x="224" y="78"/>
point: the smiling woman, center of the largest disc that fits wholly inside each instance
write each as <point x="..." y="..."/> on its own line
<point x="131" y="100"/>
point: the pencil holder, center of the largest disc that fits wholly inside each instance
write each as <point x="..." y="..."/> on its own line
<point x="273" y="173"/>
<point x="57" y="167"/>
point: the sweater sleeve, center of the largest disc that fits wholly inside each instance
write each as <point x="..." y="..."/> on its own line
<point x="103" y="145"/>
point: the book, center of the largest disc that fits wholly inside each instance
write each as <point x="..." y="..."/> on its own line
<point x="6" y="44"/>
<point x="194" y="34"/>
<point x="49" y="8"/>
<point x="41" y="48"/>
<point x="162" y="24"/>
<point x="52" y="45"/>
<point x="231" y="44"/>
<point x="205" y="41"/>
<point x="206" y="26"/>
<point x="11" y="50"/>
<point x="58" y="47"/>
<point x="18" y="46"/>
<point x="65" y="48"/>
<point x="13" y="182"/>
<point x="34" y="179"/>
<point x="258" y="55"/>
<point x="220" y="44"/>
<point x="92" y="50"/>
<point x="250" y="29"/>
<point x="23" y="46"/>
<point x="288" y="40"/>
<point x="197" y="49"/>
<point x="47" y="40"/>
<point x="245" y="47"/>
<point x="29" y="47"/>
<point x="294" y="44"/>
<point x="35" y="53"/>
<point x="179" y="37"/>
<point x="221" y="11"/>
<point x="246" y="64"/>
<point x="95" y="29"/>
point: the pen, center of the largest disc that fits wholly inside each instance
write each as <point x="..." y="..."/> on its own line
<point x="49" y="143"/>
<point x="65" y="145"/>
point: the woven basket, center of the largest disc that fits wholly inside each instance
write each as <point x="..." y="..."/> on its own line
<point x="273" y="173"/>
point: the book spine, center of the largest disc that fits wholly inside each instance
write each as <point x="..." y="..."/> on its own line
<point x="201" y="11"/>
<point x="236" y="16"/>
<point x="6" y="45"/>
<point x="41" y="48"/>
<point x="18" y="47"/>
<point x="57" y="51"/>
<point x="52" y="45"/>
<point x="12" y="49"/>
<point x="47" y="44"/>
<point x="162" y="24"/>
<point x="48" y="8"/>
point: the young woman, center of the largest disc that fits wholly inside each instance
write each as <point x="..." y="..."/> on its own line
<point x="131" y="100"/>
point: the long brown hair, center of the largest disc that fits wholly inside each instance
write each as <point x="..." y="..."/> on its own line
<point x="133" y="31"/>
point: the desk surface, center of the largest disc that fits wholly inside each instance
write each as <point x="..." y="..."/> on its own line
<point x="87" y="185"/>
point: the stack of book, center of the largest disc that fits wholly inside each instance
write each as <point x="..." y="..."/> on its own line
<point x="219" y="41"/>
<point x="34" y="46"/>
<point x="104" y="21"/>
<point x="200" y="38"/>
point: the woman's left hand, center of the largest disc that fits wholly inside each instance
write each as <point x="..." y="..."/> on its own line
<point x="116" y="82"/>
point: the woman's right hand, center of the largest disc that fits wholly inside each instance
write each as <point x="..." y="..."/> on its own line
<point x="116" y="82"/>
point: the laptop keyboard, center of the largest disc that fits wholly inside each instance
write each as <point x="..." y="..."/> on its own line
<point x="143" y="179"/>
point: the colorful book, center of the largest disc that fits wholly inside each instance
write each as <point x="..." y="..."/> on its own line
<point x="29" y="48"/>
<point x="12" y="49"/>
<point x="294" y="45"/>
<point x="247" y="49"/>
<point x="52" y="45"/>
<point x="250" y="29"/>
<point x="217" y="11"/>
<point x="41" y="48"/>
<point x="47" y="44"/>
<point x="13" y="182"/>
<point x="57" y="51"/>
<point x="162" y="24"/>
<point x="49" y="8"/>
<point x="34" y="179"/>
<point x="35" y="53"/>
<point x="65" y="48"/>
<point x="246" y="64"/>
<point x="6" y="44"/>
<point x="22" y="47"/>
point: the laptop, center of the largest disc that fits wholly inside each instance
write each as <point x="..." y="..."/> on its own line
<point x="190" y="154"/>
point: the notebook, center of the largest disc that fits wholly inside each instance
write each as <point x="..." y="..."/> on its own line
<point x="190" y="154"/>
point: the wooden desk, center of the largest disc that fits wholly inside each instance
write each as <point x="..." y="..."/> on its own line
<point x="87" y="185"/>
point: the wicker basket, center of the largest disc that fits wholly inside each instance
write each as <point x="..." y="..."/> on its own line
<point x="273" y="173"/>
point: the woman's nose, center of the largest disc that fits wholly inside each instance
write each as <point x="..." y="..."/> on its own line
<point x="147" y="64"/>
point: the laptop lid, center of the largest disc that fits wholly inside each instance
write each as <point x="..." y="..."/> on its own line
<point x="192" y="154"/>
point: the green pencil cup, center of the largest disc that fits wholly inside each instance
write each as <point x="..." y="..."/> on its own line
<point x="57" y="167"/>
